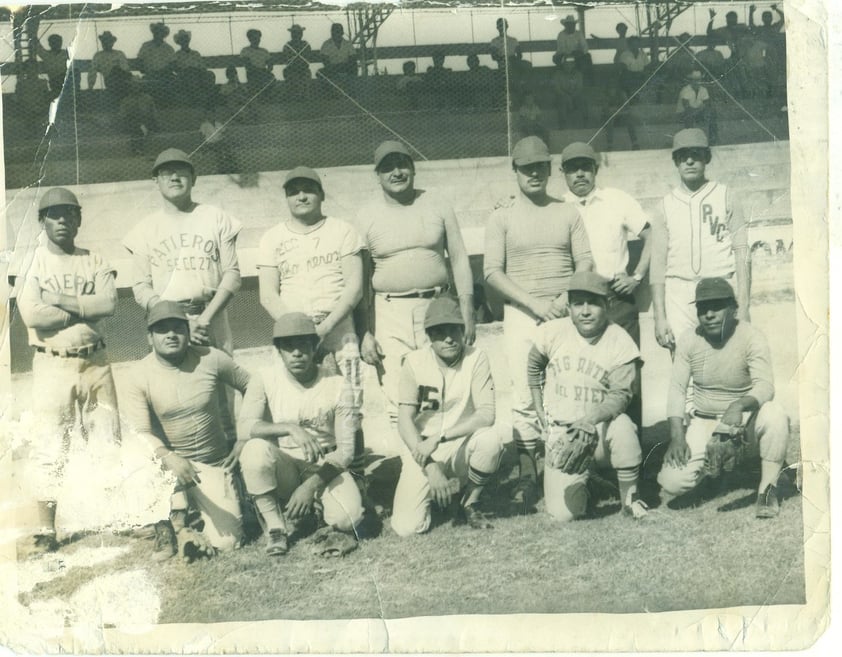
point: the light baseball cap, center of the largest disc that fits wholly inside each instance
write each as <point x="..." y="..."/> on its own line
<point x="689" y="138"/>
<point x="170" y="156"/>
<point x="388" y="148"/>
<point x="588" y="281"/>
<point x="530" y="150"/>
<point x="293" y="325"/>
<point x="443" y="310"/>
<point x="305" y="173"/>
<point x="57" y="196"/>
<point x="578" y="150"/>
<point x="165" y="310"/>
<point x="713" y="289"/>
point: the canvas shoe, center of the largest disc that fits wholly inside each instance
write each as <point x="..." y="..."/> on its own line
<point x="277" y="543"/>
<point x="767" y="503"/>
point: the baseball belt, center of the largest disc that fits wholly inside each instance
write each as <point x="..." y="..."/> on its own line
<point x="72" y="352"/>
<point x="705" y="416"/>
<point x="193" y="306"/>
<point x="429" y="293"/>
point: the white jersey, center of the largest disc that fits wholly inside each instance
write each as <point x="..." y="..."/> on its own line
<point x="578" y="372"/>
<point x="703" y="230"/>
<point x="82" y="274"/>
<point x="325" y="408"/>
<point x="184" y="255"/>
<point x="445" y="395"/>
<point x="309" y="264"/>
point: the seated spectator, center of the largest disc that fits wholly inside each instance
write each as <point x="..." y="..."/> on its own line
<point x="479" y="84"/>
<point x="138" y="114"/>
<point x="297" y="54"/>
<point x="503" y="46"/>
<point x="438" y="81"/>
<point x="571" y="42"/>
<point x="438" y="68"/>
<point x="712" y="60"/>
<point x="54" y="63"/>
<point x="569" y="88"/>
<point x="409" y="77"/>
<point x="32" y="97"/>
<point x="338" y="55"/>
<point x="473" y="64"/>
<point x="633" y="63"/>
<point x="198" y="82"/>
<point x="256" y="60"/>
<point x="105" y="61"/>
<point x="694" y="108"/>
<point x="156" y="58"/>
<point x="529" y="122"/>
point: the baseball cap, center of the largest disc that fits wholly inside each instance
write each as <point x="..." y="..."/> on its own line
<point x="689" y="138"/>
<point x="303" y="172"/>
<point x="387" y="148"/>
<point x="578" y="150"/>
<point x="57" y="196"/>
<point x="444" y="310"/>
<point x="710" y="289"/>
<point x="172" y="155"/>
<point x="293" y="324"/>
<point x="165" y="310"/>
<point x="530" y="150"/>
<point x="588" y="281"/>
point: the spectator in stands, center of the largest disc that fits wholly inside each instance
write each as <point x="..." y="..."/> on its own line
<point x="235" y="97"/>
<point x="338" y="55"/>
<point x="138" y="114"/>
<point x="479" y="83"/>
<point x="736" y="36"/>
<point x="568" y="84"/>
<point x="256" y="60"/>
<point x="622" y="44"/>
<point x="633" y="63"/>
<point x="408" y="84"/>
<point x="199" y="84"/>
<point x="529" y="122"/>
<point x="297" y="54"/>
<point x="105" y="61"/>
<point x="768" y="28"/>
<point x="32" y="97"/>
<point x="438" y="81"/>
<point x="571" y="42"/>
<point x="694" y="108"/>
<point x="473" y="64"/>
<point x="54" y="62"/>
<point x="770" y="34"/>
<point x="503" y="46"/>
<point x="156" y="58"/>
<point x="712" y="60"/>
<point x="618" y="113"/>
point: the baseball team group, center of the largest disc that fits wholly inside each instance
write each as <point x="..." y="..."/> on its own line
<point x="392" y="288"/>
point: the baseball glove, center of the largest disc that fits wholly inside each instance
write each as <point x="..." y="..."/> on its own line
<point x="571" y="450"/>
<point x="725" y="450"/>
<point x="331" y="543"/>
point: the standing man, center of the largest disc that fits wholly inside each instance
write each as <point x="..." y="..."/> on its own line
<point x="172" y="399"/>
<point x="301" y="422"/>
<point x="406" y="232"/>
<point x="297" y="54"/>
<point x="504" y="48"/>
<point x="582" y="372"/>
<point x="65" y="292"/>
<point x="572" y="43"/>
<point x="733" y="389"/>
<point x="532" y="248"/>
<point x="702" y="235"/>
<point x="156" y="58"/>
<point x="256" y="60"/>
<point x="105" y="61"/>
<point x="446" y="421"/>
<point x="338" y="54"/>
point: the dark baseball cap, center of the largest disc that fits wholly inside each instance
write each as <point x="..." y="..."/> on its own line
<point x="292" y="325"/>
<point x="305" y="173"/>
<point x="530" y="150"/>
<point x="588" y="281"/>
<point x="712" y="289"/>
<point x="444" y="310"/>
<point x="170" y="156"/>
<point x="57" y="196"/>
<point x="165" y="310"/>
<point x="388" y="148"/>
<point x="578" y="150"/>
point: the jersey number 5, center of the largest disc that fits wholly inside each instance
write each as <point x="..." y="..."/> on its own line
<point x="428" y="398"/>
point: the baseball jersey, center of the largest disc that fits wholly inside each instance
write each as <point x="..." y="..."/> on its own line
<point x="579" y="375"/>
<point x="406" y="242"/>
<point x="721" y="375"/>
<point x="183" y="256"/>
<point x="82" y="274"/>
<point x="446" y="395"/>
<point x="325" y="408"/>
<point x="700" y="231"/>
<point x="179" y="404"/>
<point x="309" y="264"/>
<point x="611" y="218"/>
<point x="538" y="247"/>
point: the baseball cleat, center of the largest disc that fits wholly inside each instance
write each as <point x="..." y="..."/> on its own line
<point x="767" y="503"/>
<point x="476" y="519"/>
<point x="166" y="545"/>
<point x="277" y="543"/>
<point x="637" y="509"/>
<point x="526" y="496"/>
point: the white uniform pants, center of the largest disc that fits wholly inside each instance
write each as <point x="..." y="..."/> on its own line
<point x="519" y="330"/>
<point x="566" y="495"/>
<point x="216" y="498"/>
<point x="481" y="451"/>
<point x="768" y="434"/>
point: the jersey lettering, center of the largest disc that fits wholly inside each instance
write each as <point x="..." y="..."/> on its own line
<point x="717" y="228"/>
<point x="429" y="398"/>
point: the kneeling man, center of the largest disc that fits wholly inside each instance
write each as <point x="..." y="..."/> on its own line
<point x="445" y="417"/>
<point x="733" y="388"/>
<point x="301" y="422"/>
<point x="582" y="371"/>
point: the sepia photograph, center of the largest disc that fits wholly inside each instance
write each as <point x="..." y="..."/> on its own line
<point x="453" y="326"/>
